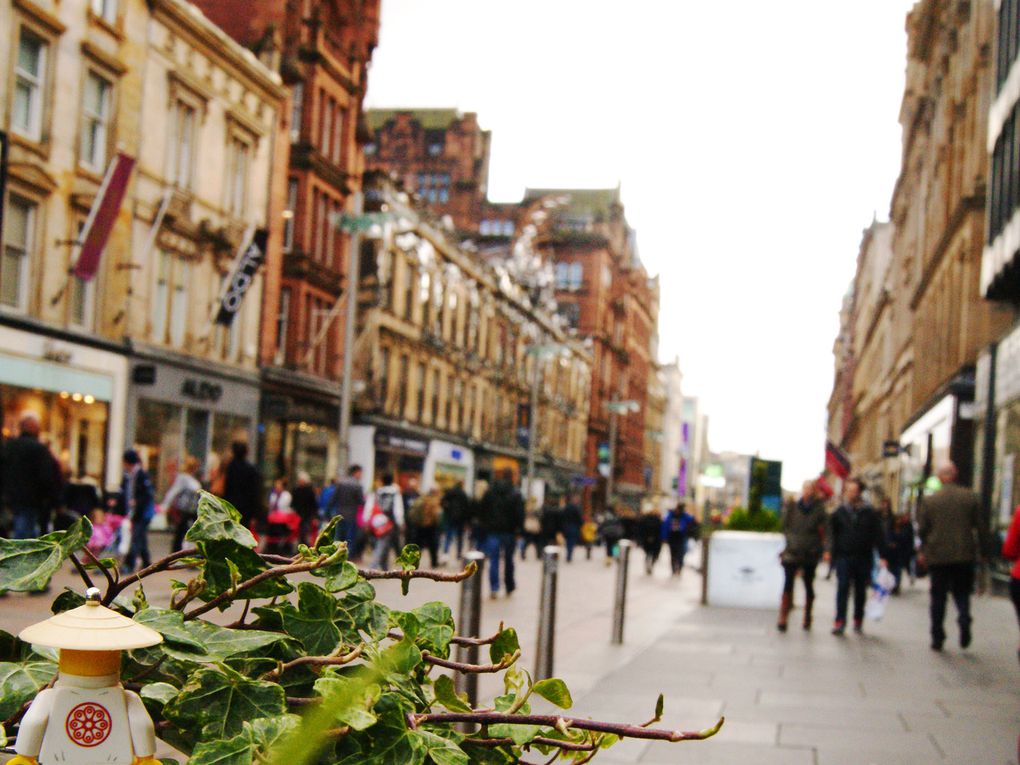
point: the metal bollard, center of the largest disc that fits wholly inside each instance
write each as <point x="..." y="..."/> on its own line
<point x="622" y="566"/>
<point x="704" y="568"/>
<point x="547" y="614"/>
<point x="470" y="624"/>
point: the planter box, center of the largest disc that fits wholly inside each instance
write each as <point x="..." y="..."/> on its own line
<point x="744" y="569"/>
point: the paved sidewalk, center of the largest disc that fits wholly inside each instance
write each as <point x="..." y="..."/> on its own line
<point x="883" y="698"/>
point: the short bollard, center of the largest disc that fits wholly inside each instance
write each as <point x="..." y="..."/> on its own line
<point x="547" y="614"/>
<point x="470" y="624"/>
<point x="704" y="568"/>
<point x="622" y="565"/>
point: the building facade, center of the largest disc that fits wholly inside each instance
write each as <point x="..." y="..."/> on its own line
<point x="673" y="474"/>
<point x="322" y="51"/>
<point x="446" y="351"/>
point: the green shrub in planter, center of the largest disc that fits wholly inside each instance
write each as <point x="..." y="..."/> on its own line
<point x="744" y="520"/>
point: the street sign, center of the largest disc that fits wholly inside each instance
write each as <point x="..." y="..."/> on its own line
<point x="891" y="448"/>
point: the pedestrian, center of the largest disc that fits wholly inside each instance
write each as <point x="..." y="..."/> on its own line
<point x="474" y="523"/>
<point x="804" y="528"/>
<point x="456" y="508"/>
<point x="650" y="537"/>
<point x="181" y="501"/>
<point x="279" y="497"/>
<point x="242" y="485"/>
<point x="428" y="510"/>
<point x="901" y="550"/>
<point x="1011" y="551"/>
<point x="573" y="519"/>
<point x="500" y="522"/>
<point x="855" y="534"/>
<point x="348" y="501"/>
<point x="326" y="499"/>
<point x="81" y="497"/>
<point x="674" y="533"/>
<point x="306" y="504"/>
<point x="384" y="520"/>
<point x="29" y="479"/>
<point x="409" y="495"/>
<point x="137" y="499"/>
<point x="551" y="522"/>
<point x="953" y="541"/>
<point x="611" y="531"/>
<point x="531" y="533"/>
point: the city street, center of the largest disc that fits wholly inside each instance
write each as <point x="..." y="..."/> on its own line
<point x="881" y="698"/>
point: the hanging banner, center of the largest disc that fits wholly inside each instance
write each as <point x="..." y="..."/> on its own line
<point x="103" y="215"/>
<point x="242" y="277"/>
<point x="836" y="460"/>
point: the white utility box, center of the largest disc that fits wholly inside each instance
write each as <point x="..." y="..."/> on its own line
<point x="744" y="569"/>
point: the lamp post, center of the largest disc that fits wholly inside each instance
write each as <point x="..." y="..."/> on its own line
<point x="615" y="407"/>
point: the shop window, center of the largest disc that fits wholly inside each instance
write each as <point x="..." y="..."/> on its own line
<point x="29" y="81"/>
<point x="182" y="142"/>
<point x="19" y="223"/>
<point x="95" y="119"/>
<point x="229" y="429"/>
<point x="297" y="96"/>
<point x="158" y="438"/>
<point x="238" y="167"/>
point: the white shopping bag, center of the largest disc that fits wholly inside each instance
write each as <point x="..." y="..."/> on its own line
<point x="124" y="542"/>
<point x="881" y="586"/>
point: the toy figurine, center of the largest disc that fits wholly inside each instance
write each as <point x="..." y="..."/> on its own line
<point x="87" y="717"/>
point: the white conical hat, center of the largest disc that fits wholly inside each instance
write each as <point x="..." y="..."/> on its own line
<point x="92" y="627"/>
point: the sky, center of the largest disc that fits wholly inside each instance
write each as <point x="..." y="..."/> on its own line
<point x="753" y="142"/>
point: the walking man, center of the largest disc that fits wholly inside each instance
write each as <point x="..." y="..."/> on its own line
<point x="346" y="501"/>
<point x="855" y="533"/>
<point x="243" y="485"/>
<point x="953" y="539"/>
<point x="29" y="479"/>
<point x="384" y="520"/>
<point x="501" y="521"/>
<point x="804" y="528"/>
<point x="456" y="509"/>
<point x="137" y="498"/>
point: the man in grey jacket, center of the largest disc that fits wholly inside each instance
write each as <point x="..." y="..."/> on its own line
<point x="953" y="540"/>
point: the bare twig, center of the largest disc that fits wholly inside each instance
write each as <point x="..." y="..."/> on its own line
<point x="473" y="669"/>
<point x="160" y="565"/>
<point x="82" y="572"/>
<point x="314" y="661"/>
<point x="435" y="576"/>
<point x="564" y="723"/>
<point x="111" y="580"/>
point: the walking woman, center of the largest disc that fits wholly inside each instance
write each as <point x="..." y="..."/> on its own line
<point x="1011" y="551"/>
<point x="804" y="527"/>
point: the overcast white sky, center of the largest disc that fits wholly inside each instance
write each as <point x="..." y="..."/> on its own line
<point x="754" y="142"/>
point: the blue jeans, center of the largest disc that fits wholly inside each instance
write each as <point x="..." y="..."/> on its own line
<point x="139" y="545"/>
<point x="856" y="573"/>
<point x="496" y="546"/>
<point x="455" y="532"/>
<point x="26" y="523"/>
<point x="572" y="535"/>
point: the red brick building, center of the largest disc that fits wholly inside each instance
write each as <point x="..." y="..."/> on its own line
<point x="439" y="154"/>
<point x="322" y="50"/>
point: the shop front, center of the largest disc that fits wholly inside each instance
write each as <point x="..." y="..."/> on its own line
<point x="299" y="434"/>
<point x="178" y="408"/>
<point x="77" y="389"/>
<point x="447" y="464"/>
<point x="382" y="450"/>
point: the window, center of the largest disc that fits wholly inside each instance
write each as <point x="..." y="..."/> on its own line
<point x="370" y="149"/>
<point x="82" y="296"/>
<point x="437" y="381"/>
<point x="106" y="10"/>
<point x="383" y="387"/>
<point x="182" y="140"/>
<point x="420" y="382"/>
<point x="239" y="160"/>
<point x="338" y="135"/>
<point x="288" y="215"/>
<point x="576" y="276"/>
<point x="571" y="312"/>
<point x="569" y="276"/>
<point x="282" y="324"/>
<point x="326" y="106"/>
<point x="29" y="76"/>
<point x="161" y="297"/>
<point x="95" y="121"/>
<point x="179" y="304"/>
<point x="434" y="187"/>
<point x="18" y="243"/>
<point x="297" y="96"/>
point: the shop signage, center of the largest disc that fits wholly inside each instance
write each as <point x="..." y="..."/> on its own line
<point x="386" y="440"/>
<point x="201" y="390"/>
<point x="53" y="352"/>
<point x="891" y="448"/>
<point x="242" y="277"/>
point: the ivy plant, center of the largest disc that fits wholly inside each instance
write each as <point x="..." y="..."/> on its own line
<point x="310" y="671"/>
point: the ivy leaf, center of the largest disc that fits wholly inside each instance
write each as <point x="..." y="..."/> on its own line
<point x="659" y="705"/>
<point x="407" y="623"/>
<point x="232" y="751"/>
<point x="358" y="611"/>
<point x="505" y="645"/>
<point x="312" y="621"/>
<point x="218" y="521"/>
<point x="519" y="734"/>
<point x="218" y="701"/>
<point x="20" y="682"/>
<point x="442" y="751"/>
<point x="266" y="732"/>
<point x="408" y="560"/>
<point x="437" y="628"/>
<point x="389" y="742"/>
<point x="339" y="577"/>
<point x="221" y="643"/>
<point x="27" y="565"/>
<point x="554" y="690"/>
<point x="227" y="563"/>
<point x="350" y="699"/>
<point x="67" y="600"/>
<point x="170" y="624"/>
<point x="447" y="695"/>
<point x="155" y="696"/>
<point x="327" y="534"/>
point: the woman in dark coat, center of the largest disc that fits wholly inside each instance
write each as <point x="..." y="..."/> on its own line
<point x="804" y="525"/>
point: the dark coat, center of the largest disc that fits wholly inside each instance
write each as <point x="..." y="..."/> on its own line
<point x="950" y="527"/>
<point x="144" y="497"/>
<point x="30" y="480"/>
<point x="304" y="502"/>
<point x="804" y="526"/>
<point x="347" y="498"/>
<point x="502" y="510"/>
<point x="457" y="506"/>
<point x="856" y="532"/>
<point x="243" y="489"/>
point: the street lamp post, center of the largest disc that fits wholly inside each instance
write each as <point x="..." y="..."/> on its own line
<point x="615" y="408"/>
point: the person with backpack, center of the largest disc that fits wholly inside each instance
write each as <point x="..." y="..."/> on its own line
<point x="423" y="517"/>
<point x="500" y="523"/>
<point x="181" y="501"/>
<point x="306" y="504"/>
<point x="383" y="520"/>
<point x="456" y="511"/>
<point x="650" y="536"/>
<point x="137" y="503"/>
<point x="675" y="527"/>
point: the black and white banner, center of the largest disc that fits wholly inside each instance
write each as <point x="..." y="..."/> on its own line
<point x="240" y="280"/>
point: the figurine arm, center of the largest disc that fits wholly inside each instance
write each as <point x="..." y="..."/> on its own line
<point x="32" y="728"/>
<point x="143" y="732"/>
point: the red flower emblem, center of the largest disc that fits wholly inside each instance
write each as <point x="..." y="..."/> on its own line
<point x="88" y="724"/>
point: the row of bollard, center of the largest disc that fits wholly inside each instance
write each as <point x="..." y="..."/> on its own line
<point x="470" y="622"/>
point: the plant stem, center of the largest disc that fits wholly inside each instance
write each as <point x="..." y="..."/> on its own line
<point x="471" y="668"/>
<point x="554" y="721"/>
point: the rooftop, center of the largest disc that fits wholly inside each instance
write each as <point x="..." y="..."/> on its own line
<point x="429" y="119"/>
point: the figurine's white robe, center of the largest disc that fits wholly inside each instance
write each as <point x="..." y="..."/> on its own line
<point x="47" y="733"/>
